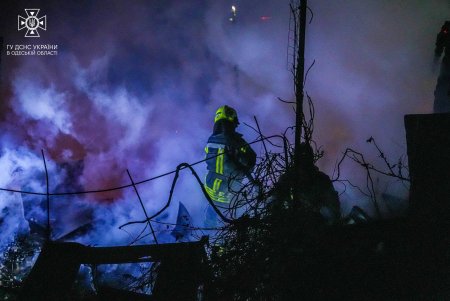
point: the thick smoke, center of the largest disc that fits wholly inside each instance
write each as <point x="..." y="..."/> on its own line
<point x="373" y="66"/>
<point x="135" y="86"/>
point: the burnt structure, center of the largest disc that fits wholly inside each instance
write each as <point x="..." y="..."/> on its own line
<point x="398" y="259"/>
<point x="428" y="142"/>
<point x="180" y="274"/>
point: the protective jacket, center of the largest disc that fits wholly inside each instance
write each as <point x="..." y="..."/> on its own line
<point x="229" y="160"/>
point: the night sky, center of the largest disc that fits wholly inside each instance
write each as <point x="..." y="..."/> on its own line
<point x="135" y="85"/>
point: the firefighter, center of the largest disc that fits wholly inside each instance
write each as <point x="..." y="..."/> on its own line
<point x="315" y="189"/>
<point x="442" y="91"/>
<point x="229" y="160"/>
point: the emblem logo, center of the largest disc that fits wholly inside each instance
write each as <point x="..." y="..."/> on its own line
<point x="32" y="22"/>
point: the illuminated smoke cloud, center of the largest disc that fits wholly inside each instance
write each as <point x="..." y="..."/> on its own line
<point x="18" y="165"/>
<point x="39" y="104"/>
<point x="138" y="90"/>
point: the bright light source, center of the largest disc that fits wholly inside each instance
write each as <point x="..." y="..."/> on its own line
<point x="232" y="18"/>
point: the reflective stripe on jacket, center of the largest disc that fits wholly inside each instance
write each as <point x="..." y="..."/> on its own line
<point x="229" y="160"/>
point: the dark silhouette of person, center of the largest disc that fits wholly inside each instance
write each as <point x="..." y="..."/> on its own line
<point x="442" y="91"/>
<point x="315" y="189"/>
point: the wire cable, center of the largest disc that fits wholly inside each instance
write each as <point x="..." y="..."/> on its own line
<point x="185" y="165"/>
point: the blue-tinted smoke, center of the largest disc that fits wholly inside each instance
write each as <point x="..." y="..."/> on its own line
<point x="135" y="86"/>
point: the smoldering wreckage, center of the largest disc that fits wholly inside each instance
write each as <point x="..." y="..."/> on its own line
<point x="278" y="236"/>
<point x="309" y="257"/>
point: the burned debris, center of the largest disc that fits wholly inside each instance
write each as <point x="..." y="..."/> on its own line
<point x="278" y="235"/>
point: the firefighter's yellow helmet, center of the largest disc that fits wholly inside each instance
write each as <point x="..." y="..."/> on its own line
<point x="227" y="113"/>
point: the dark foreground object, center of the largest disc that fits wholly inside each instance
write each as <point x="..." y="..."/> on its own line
<point x="386" y="260"/>
<point x="181" y="267"/>
<point x="298" y="258"/>
<point x="406" y="259"/>
<point x="428" y="139"/>
<point x="403" y="259"/>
